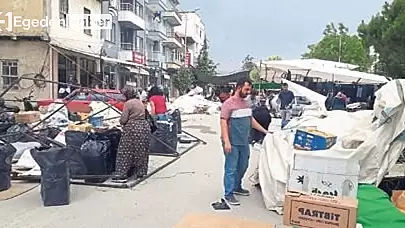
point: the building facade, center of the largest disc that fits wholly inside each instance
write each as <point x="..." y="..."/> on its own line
<point x="143" y="46"/>
<point x="193" y="28"/>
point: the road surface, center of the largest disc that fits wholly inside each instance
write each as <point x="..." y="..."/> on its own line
<point x="190" y="184"/>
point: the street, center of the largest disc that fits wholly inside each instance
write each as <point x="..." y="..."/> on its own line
<point x="189" y="185"/>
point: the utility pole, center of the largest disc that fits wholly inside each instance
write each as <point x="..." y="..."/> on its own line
<point x="340" y="47"/>
<point x="185" y="31"/>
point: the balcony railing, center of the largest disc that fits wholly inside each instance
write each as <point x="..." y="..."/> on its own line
<point x="171" y="34"/>
<point x="130" y="7"/>
<point x="155" y="56"/>
<point x="131" y="47"/>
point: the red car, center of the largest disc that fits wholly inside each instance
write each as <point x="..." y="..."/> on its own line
<point x="81" y="99"/>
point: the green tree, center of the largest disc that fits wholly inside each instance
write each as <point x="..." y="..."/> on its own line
<point x="338" y="45"/>
<point x="274" y="57"/>
<point x="248" y="64"/>
<point x="385" y="33"/>
<point x="205" y="65"/>
<point x="182" y="79"/>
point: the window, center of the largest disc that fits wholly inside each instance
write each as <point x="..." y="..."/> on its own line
<point x="87" y="21"/>
<point x="97" y="97"/>
<point x="139" y="9"/>
<point x="63" y="12"/>
<point x="111" y="34"/>
<point x="139" y="44"/>
<point x="9" y="73"/>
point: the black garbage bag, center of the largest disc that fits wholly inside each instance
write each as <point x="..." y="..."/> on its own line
<point x="167" y="133"/>
<point x="96" y="155"/>
<point x="114" y="136"/>
<point x="18" y="128"/>
<point x="55" y="178"/>
<point x="176" y="116"/>
<point x="75" y="140"/>
<point x="6" y="156"/>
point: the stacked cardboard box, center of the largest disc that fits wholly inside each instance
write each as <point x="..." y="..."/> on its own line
<point x="28" y="117"/>
<point x="322" y="184"/>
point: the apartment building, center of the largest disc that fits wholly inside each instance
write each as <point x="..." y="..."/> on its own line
<point x="163" y="45"/>
<point x="193" y="28"/>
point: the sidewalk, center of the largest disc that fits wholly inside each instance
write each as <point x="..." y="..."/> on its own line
<point x="190" y="184"/>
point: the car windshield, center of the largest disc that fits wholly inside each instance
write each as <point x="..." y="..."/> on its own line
<point x="80" y="97"/>
<point x="116" y="96"/>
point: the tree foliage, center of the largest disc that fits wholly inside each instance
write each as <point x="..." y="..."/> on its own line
<point x="385" y="32"/>
<point x="205" y="65"/>
<point x="248" y="64"/>
<point x="274" y="57"/>
<point x="182" y="79"/>
<point x="338" y="45"/>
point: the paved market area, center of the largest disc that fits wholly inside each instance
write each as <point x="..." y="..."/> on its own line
<point x="190" y="184"/>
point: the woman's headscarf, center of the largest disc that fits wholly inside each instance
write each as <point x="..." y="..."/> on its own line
<point x="129" y="92"/>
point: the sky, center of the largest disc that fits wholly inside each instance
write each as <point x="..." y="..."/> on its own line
<point x="262" y="28"/>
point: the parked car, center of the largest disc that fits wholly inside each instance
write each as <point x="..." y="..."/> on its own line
<point x="81" y="99"/>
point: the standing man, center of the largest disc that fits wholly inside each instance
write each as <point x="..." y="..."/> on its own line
<point x="285" y="98"/>
<point x="236" y="124"/>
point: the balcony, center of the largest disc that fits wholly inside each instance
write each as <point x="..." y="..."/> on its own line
<point x="129" y="52"/>
<point x="174" y="63"/>
<point x="156" y="34"/>
<point x="172" y="41"/>
<point x="131" y="17"/>
<point x="155" y="58"/>
<point x="172" y="17"/>
<point x="158" y="5"/>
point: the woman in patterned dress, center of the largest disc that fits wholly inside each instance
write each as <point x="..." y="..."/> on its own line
<point x="132" y="156"/>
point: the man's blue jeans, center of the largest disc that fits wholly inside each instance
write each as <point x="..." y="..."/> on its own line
<point x="236" y="164"/>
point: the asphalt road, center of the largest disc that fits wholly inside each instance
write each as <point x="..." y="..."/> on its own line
<point x="189" y="185"/>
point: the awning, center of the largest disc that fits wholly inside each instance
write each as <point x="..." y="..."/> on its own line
<point x="166" y="76"/>
<point x="138" y="71"/>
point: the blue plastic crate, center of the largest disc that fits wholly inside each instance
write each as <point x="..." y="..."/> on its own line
<point x="313" y="140"/>
<point x="96" y="121"/>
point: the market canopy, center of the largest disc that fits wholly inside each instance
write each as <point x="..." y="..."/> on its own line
<point x="326" y="71"/>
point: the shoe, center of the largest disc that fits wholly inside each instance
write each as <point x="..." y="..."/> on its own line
<point x="232" y="200"/>
<point x="119" y="180"/>
<point x="241" y="192"/>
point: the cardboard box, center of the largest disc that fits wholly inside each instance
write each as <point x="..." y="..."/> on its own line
<point x="217" y="221"/>
<point x="83" y="127"/>
<point x="28" y="117"/>
<point x="312" y="139"/>
<point x="324" y="173"/>
<point x="319" y="211"/>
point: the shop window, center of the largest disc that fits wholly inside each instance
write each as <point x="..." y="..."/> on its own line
<point x="9" y="73"/>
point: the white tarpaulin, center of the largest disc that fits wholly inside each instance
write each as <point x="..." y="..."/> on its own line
<point x="380" y="131"/>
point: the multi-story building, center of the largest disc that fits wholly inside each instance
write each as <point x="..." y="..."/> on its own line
<point x="142" y="46"/>
<point x="163" y="45"/>
<point x="193" y="28"/>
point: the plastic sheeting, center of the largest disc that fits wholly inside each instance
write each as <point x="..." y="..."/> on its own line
<point x="380" y="131"/>
<point x="189" y="104"/>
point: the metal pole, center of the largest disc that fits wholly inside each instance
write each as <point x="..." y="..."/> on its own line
<point x="340" y="47"/>
<point x="185" y="38"/>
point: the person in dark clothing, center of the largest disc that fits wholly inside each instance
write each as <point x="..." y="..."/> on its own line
<point x="285" y="99"/>
<point x="224" y="94"/>
<point x="262" y="115"/>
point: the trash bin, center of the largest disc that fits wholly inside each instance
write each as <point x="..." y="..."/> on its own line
<point x="7" y="152"/>
<point x="167" y="133"/>
<point x="55" y="178"/>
